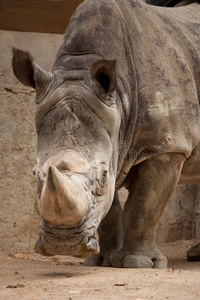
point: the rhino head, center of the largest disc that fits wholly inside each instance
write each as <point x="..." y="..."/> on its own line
<point x="77" y="122"/>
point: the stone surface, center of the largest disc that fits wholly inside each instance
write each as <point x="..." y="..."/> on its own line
<point x="180" y="219"/>
<point x="19" y="217"/>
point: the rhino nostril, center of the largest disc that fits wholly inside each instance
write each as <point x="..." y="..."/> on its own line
<point x="93" y="245"/>
<point x="39" y="248"/>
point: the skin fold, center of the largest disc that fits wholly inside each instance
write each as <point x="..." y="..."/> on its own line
<point x="120" y="107"/>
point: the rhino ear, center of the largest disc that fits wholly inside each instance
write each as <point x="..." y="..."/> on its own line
<point x="104" y="74"/>
<point x="28" y="72"/>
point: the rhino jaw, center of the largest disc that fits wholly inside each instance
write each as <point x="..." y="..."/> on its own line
<point x="81" y="251"/>
<point x="76" y="240"/>
<point x="63" y="202"/>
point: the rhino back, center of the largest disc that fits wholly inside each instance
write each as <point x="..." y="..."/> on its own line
<point x="95" y="29"/>
<point x="158" y="66"/>
<point x="166" y="53"/>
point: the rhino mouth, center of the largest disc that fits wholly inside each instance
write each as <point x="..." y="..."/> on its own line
<point x="74" y="241"/>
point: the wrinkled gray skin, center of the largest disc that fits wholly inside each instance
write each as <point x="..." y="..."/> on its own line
<point x="120" y="108"/>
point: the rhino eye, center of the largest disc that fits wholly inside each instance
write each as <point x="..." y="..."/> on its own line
<point x="105" y="175"/>
<point x="102" y="184"/>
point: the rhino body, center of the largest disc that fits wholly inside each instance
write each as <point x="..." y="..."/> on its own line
<point x="119" y="108"/>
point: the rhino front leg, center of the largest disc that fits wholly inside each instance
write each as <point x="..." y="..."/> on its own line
<point x="153" y="183"/>
<point x="110" y="236"/>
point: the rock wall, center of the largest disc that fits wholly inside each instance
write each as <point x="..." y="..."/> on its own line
<point x="19" y="217"/>
<point x="181" y="217"/>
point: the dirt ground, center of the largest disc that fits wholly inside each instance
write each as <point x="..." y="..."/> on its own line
<point x="30" y="276"/>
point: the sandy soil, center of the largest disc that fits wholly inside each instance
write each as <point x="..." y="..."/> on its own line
<point x="30" y="276"/>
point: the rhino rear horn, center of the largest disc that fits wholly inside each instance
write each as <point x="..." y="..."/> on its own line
<point x="104" y="74"/>
<point x="28" y="72"/>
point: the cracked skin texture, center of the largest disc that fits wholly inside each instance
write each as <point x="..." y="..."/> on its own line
<point x="157" y="54"/>
<point x="158" y="61"/>
<point x="158" y="65"/>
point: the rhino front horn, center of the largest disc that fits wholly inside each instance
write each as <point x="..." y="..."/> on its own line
<point x="62" y="201"/>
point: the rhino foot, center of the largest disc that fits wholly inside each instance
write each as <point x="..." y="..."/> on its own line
<point x="124" y="260"/>
<point x="98" y="260"/>
<point x="193" y="254"/>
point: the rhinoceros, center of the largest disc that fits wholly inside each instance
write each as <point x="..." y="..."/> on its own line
<point x="120" y="108"/>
